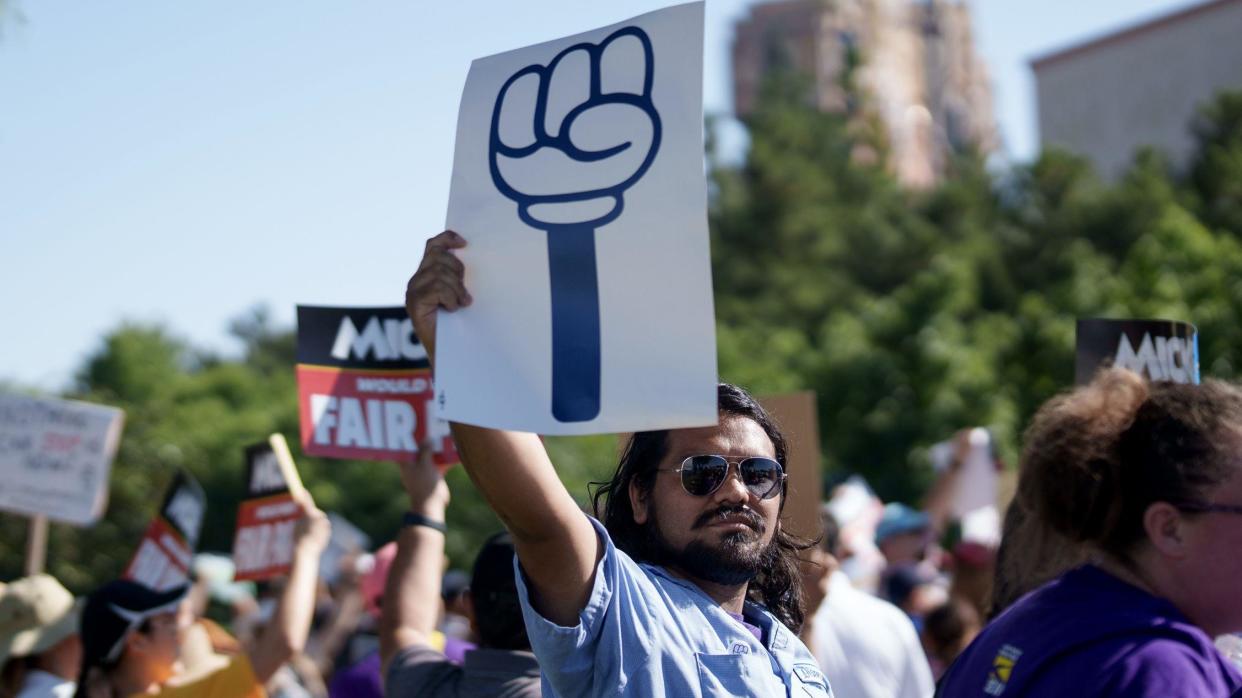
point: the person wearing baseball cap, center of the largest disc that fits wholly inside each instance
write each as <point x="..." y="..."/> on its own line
<point x="39" y="645"/>
<point x="132" y="634"/>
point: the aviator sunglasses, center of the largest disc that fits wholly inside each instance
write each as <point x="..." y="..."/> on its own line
<point x="702" y="475"/>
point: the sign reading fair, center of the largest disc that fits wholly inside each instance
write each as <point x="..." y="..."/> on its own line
<point x="163" y="558"/>
<point x="55" y="456"/>
<point x="364" y="386"/>
<point x="1159" y="350"/>
<point x="578" y="183"/>
<point x="263" y="545"/>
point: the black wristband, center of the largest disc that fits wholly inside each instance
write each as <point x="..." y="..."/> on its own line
<point x="412" y="519"/>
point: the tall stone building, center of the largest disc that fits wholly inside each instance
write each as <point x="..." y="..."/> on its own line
<point x="917" y="71"/>
<point x="1140" y="85"/>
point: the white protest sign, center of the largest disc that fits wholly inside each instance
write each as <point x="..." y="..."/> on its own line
<point x="55" y="456"/>
<point x="976" y="488"/>
<point x="578" y="181"/>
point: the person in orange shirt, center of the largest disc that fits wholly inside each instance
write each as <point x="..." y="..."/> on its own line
<point x="132" y="635"/>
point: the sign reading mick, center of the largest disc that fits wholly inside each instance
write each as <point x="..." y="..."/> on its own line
<point x="1159" y="350"/>
<point x="364" y="386"/>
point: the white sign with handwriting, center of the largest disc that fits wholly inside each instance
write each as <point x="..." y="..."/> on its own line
<point x="55" y="456"/>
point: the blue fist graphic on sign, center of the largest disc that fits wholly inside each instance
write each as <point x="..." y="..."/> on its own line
<point x="567" y="140"/>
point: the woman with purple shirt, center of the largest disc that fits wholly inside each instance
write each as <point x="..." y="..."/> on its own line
<point x="1149" y="478"/>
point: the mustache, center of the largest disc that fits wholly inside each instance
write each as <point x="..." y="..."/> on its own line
<point x="752" y="519"/>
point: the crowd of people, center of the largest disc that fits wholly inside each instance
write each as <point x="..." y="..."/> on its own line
<point x="1116" y="573"/>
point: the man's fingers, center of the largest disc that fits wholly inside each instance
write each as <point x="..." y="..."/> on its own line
<point x="437" y="286"/>
<point x="439" y="257"/>
<point x="443" y="265"/>
<point x="449" y="261"/>
<point x="438" y="281"/>
<point x="446" y="240"/>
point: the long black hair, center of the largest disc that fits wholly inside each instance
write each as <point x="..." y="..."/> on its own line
<point x="778" y="586"/>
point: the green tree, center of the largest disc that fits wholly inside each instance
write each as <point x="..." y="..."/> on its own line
<point x="914" y="314"/>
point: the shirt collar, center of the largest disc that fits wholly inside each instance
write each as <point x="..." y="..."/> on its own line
<point x="774" y="632"/>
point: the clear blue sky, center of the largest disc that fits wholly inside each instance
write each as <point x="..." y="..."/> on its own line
<point x="180" y="162"/>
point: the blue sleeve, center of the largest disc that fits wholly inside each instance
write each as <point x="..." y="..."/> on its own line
<point x="612" y="637"/>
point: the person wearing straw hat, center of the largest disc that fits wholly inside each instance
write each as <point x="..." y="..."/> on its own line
<point x="39" y="645"/>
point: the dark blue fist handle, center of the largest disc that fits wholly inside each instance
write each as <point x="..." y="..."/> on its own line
<point x="567" y="140"/>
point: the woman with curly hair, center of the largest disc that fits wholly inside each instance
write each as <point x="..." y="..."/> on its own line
<point x="1147" y="479"/>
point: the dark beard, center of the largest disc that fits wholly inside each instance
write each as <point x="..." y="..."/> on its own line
<point x="736" y="560"/>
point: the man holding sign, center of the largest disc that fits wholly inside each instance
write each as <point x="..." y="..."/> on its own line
<point x="662" y="600"/>
<point x="690" y="587"/>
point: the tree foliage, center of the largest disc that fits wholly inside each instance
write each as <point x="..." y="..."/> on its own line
<point x="913" y="314"/>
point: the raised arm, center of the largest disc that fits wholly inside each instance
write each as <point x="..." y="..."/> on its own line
<point x="286" y="633"/>
<point x="412" y="590"/>
<point x="557" y="546"/>
<point x="939" y="501"/>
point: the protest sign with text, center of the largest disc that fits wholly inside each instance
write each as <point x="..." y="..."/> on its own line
<point x="163" y="558"/>
<point x="55" y="456"/>
<point x="263" y="543"/>
<point x="1159" y="350"/>
<point x="364" y="386"/>
<point x="578" y="183"/>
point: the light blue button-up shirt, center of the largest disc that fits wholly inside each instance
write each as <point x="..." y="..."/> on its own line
<point x="646" y="633"/>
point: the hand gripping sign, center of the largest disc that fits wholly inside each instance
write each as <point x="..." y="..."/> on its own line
<point x="578" y="184"/>
<point x="571" y="217"/>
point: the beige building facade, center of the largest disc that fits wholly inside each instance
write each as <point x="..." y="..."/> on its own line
<point x="1140" y="86"/>
<point x="917" y="70"/>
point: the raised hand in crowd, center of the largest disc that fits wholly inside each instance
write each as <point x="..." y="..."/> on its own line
<point x="413" y="664"/>
<point x="411" y="602"/>
<point x="285" y="634"/>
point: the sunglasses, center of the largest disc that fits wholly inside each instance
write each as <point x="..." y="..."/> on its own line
<point x="702" y="475"/>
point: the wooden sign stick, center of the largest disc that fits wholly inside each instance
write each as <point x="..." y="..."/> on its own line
<point x="36" y="545"/>
<point x="289" y="469"/>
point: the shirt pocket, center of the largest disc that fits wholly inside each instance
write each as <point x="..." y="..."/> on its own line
<point x="723" y="675"/>
<point x="809" y="682"/>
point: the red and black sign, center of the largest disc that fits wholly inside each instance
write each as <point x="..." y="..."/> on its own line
<point x="263" y="544"/>
<point x="364" y="386"/>
<point x="163" y="558"/>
